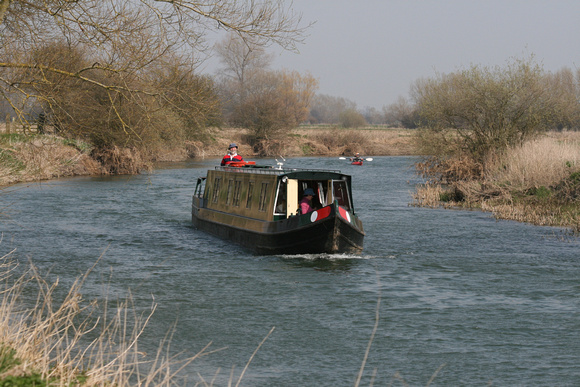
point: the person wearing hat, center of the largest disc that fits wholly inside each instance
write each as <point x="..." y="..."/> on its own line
<point x="232" y="155"/>
<point x="357" y="157"/>
<point x="306" y="202"/>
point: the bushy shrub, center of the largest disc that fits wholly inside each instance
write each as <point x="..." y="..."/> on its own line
<point x="481" y="109"/>
<point x="351" y="119"/>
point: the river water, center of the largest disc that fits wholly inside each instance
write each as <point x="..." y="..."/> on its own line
<point x="482" y="301"/>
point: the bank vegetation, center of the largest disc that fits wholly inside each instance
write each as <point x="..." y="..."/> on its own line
<point x="486" y="131"/>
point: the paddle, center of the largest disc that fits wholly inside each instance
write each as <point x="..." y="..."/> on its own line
<point x="367" y="159"/>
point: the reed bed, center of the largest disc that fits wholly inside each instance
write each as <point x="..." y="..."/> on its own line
<point x="65" y="343"/>
<point x="42" y="157"/>
<point x="542" y="162"/>
<point x="69" y="341"/>
<point x="538" y="183"/>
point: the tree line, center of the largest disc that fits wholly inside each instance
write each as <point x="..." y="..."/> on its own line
<point x="125" y="73"/>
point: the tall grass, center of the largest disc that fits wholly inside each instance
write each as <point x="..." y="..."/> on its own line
<point x="538" y="182"/>
<point x="68" y="342"/>
<point x="543" y="162"/>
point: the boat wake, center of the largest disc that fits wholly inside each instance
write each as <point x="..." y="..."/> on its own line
<point x="327" y="257"/>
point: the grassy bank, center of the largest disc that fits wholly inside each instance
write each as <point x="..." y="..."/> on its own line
<point x="537" y="183"/>
<point x="35" y="157"/>
<point x="310" y="141"/>
<point x="42" y="157"/>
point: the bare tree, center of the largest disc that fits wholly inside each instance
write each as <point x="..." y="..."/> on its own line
<point x="241" y="58"/>
<point x="401" y="114"/>
<point x="326" y="109"/>
<point x="565" y="90"/>
<point x="276" y="101"/>
<point x="372" y="115"/>
<point x="243" y="61"/>
<point x="116" y="48"/>
<point x="485" y="108"/>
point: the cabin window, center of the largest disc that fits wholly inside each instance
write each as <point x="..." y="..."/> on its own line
<point x="263" y="197"/>
<point x="319" y="199"/>
<point x="280" y="207"/>
<point x="216" y="189"/>
<point x="230" y="187"/>
<point x="340" y="193"/>
<point x="237" y="190"/>
<point x="250" y="191"/>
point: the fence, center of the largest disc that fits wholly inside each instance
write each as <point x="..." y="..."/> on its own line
<point x="11" y="125"/>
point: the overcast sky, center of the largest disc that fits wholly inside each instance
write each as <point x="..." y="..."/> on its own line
<point x="371" y="51"/>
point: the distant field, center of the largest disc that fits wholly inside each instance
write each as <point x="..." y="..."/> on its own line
<point x="318" y="140"/>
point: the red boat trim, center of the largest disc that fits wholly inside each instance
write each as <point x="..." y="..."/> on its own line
<point x="344" y="214"/>
<point x="320" y="214"/>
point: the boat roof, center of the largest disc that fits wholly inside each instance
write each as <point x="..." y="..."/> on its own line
<point x="299" y="173"/>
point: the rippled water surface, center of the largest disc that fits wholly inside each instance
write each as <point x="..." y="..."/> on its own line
<point x="481" y="300"/>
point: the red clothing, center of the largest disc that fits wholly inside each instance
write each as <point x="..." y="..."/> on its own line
<point x="305" y="206"/>
<point x="229" y="158"/>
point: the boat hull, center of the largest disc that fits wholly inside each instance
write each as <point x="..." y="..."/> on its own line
<point x="330" y="230"/>
<point x="357" y="163"/>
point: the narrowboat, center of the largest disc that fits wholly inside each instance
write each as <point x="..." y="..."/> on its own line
<point x="257" y="207"/>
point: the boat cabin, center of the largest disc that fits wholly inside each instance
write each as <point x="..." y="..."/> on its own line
<point x="271" y="194"/>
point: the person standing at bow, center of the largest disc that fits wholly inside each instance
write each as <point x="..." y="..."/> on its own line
<point x="232" y="155"/>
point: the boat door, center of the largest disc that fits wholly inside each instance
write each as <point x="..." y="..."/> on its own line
<point x="340" y="194"/>
<point x="199" y="187"/>
<point x="286" y="198"/>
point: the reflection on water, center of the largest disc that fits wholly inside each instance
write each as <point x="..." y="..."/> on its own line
<point x="496" y="302"/>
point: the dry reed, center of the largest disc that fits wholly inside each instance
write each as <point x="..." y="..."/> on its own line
<point x="42" y="158"/>
<point x="538" y="163"/>
<point x="66" y="343"/>
<point x="533" y="183"/>
<point x="428" y="195"/>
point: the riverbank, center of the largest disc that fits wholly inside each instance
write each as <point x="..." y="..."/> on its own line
<point x="537" y="183"/>
<point x="310" y="141"/>
<point x="26" y="158"/>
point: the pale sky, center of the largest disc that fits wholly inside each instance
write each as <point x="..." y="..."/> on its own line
<point x="371" y="51"/>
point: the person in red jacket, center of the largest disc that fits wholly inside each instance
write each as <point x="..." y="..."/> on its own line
<point x="232" y="155"/>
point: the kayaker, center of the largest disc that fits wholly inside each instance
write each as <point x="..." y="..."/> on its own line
<point x="357" y="157"/>
<point x="232" y="155"/>
<point x="306" y="202"/>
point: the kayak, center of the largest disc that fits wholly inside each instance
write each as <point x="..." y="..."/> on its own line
<point x="356" y="163"/>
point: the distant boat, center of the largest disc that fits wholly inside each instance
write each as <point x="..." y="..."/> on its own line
<point x="257" y="207"/>
<point x="357" y="163"/>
